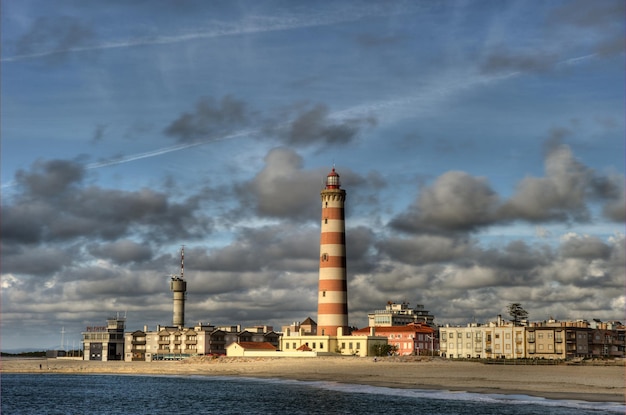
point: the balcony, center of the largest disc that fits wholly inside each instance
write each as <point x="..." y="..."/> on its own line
<point x="191" y="341"/>
<point x="531" y="339"/>
<point x="558" y="339"/>
<point x="138" y="341"/>
<point x="164" y="341"/>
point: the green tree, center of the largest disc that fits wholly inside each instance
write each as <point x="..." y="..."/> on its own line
<point x="383" y="349"/>
<point x="517" y="313"/>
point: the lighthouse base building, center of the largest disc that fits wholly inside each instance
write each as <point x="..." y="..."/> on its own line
<point x="300" y="344"/>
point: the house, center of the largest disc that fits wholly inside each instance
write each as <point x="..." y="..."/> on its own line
<point x="411" y="339"/>
<point x="250" y="349"/>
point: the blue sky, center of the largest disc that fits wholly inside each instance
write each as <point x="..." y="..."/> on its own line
<point x="481" y="145"/>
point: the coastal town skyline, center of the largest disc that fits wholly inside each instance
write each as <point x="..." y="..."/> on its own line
<point x="481" y="147"/>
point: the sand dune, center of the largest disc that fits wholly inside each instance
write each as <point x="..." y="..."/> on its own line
<point x="581" y="382"/>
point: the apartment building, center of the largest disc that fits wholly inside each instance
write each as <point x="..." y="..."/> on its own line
<point x="175" y="343"/>
<point x="541" y="340"/>
<point x="400" y="314"/>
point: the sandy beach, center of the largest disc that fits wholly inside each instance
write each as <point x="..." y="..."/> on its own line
<point x="578" y="382"/>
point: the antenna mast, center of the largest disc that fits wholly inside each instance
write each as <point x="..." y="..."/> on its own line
<point x="182" y="261"/>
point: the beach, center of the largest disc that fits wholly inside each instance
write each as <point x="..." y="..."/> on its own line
<point x="594" y="383"/>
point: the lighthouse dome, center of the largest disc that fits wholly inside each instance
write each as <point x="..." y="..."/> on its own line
<point x="332" y="180"/>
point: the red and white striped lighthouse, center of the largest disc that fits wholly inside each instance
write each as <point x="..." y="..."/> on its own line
<point x="332" y="303"/>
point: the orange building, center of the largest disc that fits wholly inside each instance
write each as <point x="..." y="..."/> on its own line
<point x="412" y="339"/>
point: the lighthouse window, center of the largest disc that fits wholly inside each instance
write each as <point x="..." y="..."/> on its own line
<point x="323" y="293"/>
<point x="324" y="257"/>
<point x="325" y="220"/>
<point x="326" y="204"/>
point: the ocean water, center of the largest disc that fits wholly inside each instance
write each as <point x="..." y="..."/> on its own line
<point x="131" y="394"/>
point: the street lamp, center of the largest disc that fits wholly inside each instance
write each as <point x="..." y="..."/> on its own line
<point x="432" y="342"/>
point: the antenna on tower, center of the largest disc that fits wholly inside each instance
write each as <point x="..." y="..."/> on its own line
<point x="182" y="261"/>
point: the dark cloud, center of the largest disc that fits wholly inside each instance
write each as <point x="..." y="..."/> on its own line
<point x="502" y="60"/>
<point x="55" y="36"/>
<point x="560" y="195"/>
<point x="98" y="133"/>
<point x="122" y="251"/>
<point x="315" y="126"/>
<point x="54" y="204"/>
<point x="210" y="119"/>
<point x="585" y="247"/>
<point x="586" y="14"/>
<point x="276" y="248"/>
<point x="283" y="189"/>
<point x="599" y="22"/>
<point x="425" y="249"/>
<point x="50" y="178"/>
<point x="455" y="202"/>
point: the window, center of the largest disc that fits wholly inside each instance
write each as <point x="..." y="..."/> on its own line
<point x="325" y="220"/>
<point x="497" y="336"/>
<point x="540" y="335"/>
<point x="294" y="345"/>
<point x="452" y="335"/>
<point x="314" y="346"/>
<point x="286" y="345"/>
<point x="358" y="345"/>
<point x="507" y="336"/>
<point x="550" y="335"/>
<point x="468" y="335"/>
<point x="323" y="293"/>
<point x="343" y="345"/>
<point x="350" y="345"/>
<point x="324" y="257"/>
<point x="459" y="335"/>
<point x="321" y="345"/>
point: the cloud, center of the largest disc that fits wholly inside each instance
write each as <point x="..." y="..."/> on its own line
<point x="316" y="126"/>
<point x="210" y="119"/>
<point x="54" y="37"/>
<point x="98" y="133"/>
<point x="122" y="251"/>
<point x="502" y="60"/>
<point x="455" y="202"/>
<point x="282" y="188"/>
<point x="560" y="195"/>
<point x="54" y="203"/>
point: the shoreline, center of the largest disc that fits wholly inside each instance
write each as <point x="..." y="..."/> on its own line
<point x="559" y="382"/>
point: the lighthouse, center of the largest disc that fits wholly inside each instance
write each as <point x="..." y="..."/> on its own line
<point x="332" y="303"/>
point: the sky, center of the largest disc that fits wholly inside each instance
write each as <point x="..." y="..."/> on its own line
<point x="480" y="143"/>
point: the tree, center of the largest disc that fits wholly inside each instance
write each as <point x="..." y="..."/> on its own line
<point x="383" y="349"/>
<point x="517" y="312"/>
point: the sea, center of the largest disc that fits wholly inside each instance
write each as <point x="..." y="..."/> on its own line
<point x="150" y="394"/>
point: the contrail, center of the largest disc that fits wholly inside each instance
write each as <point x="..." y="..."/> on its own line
<point x="254" y="24"/>
<point x="430" y="95"/>
<point x="165" y="150"/>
